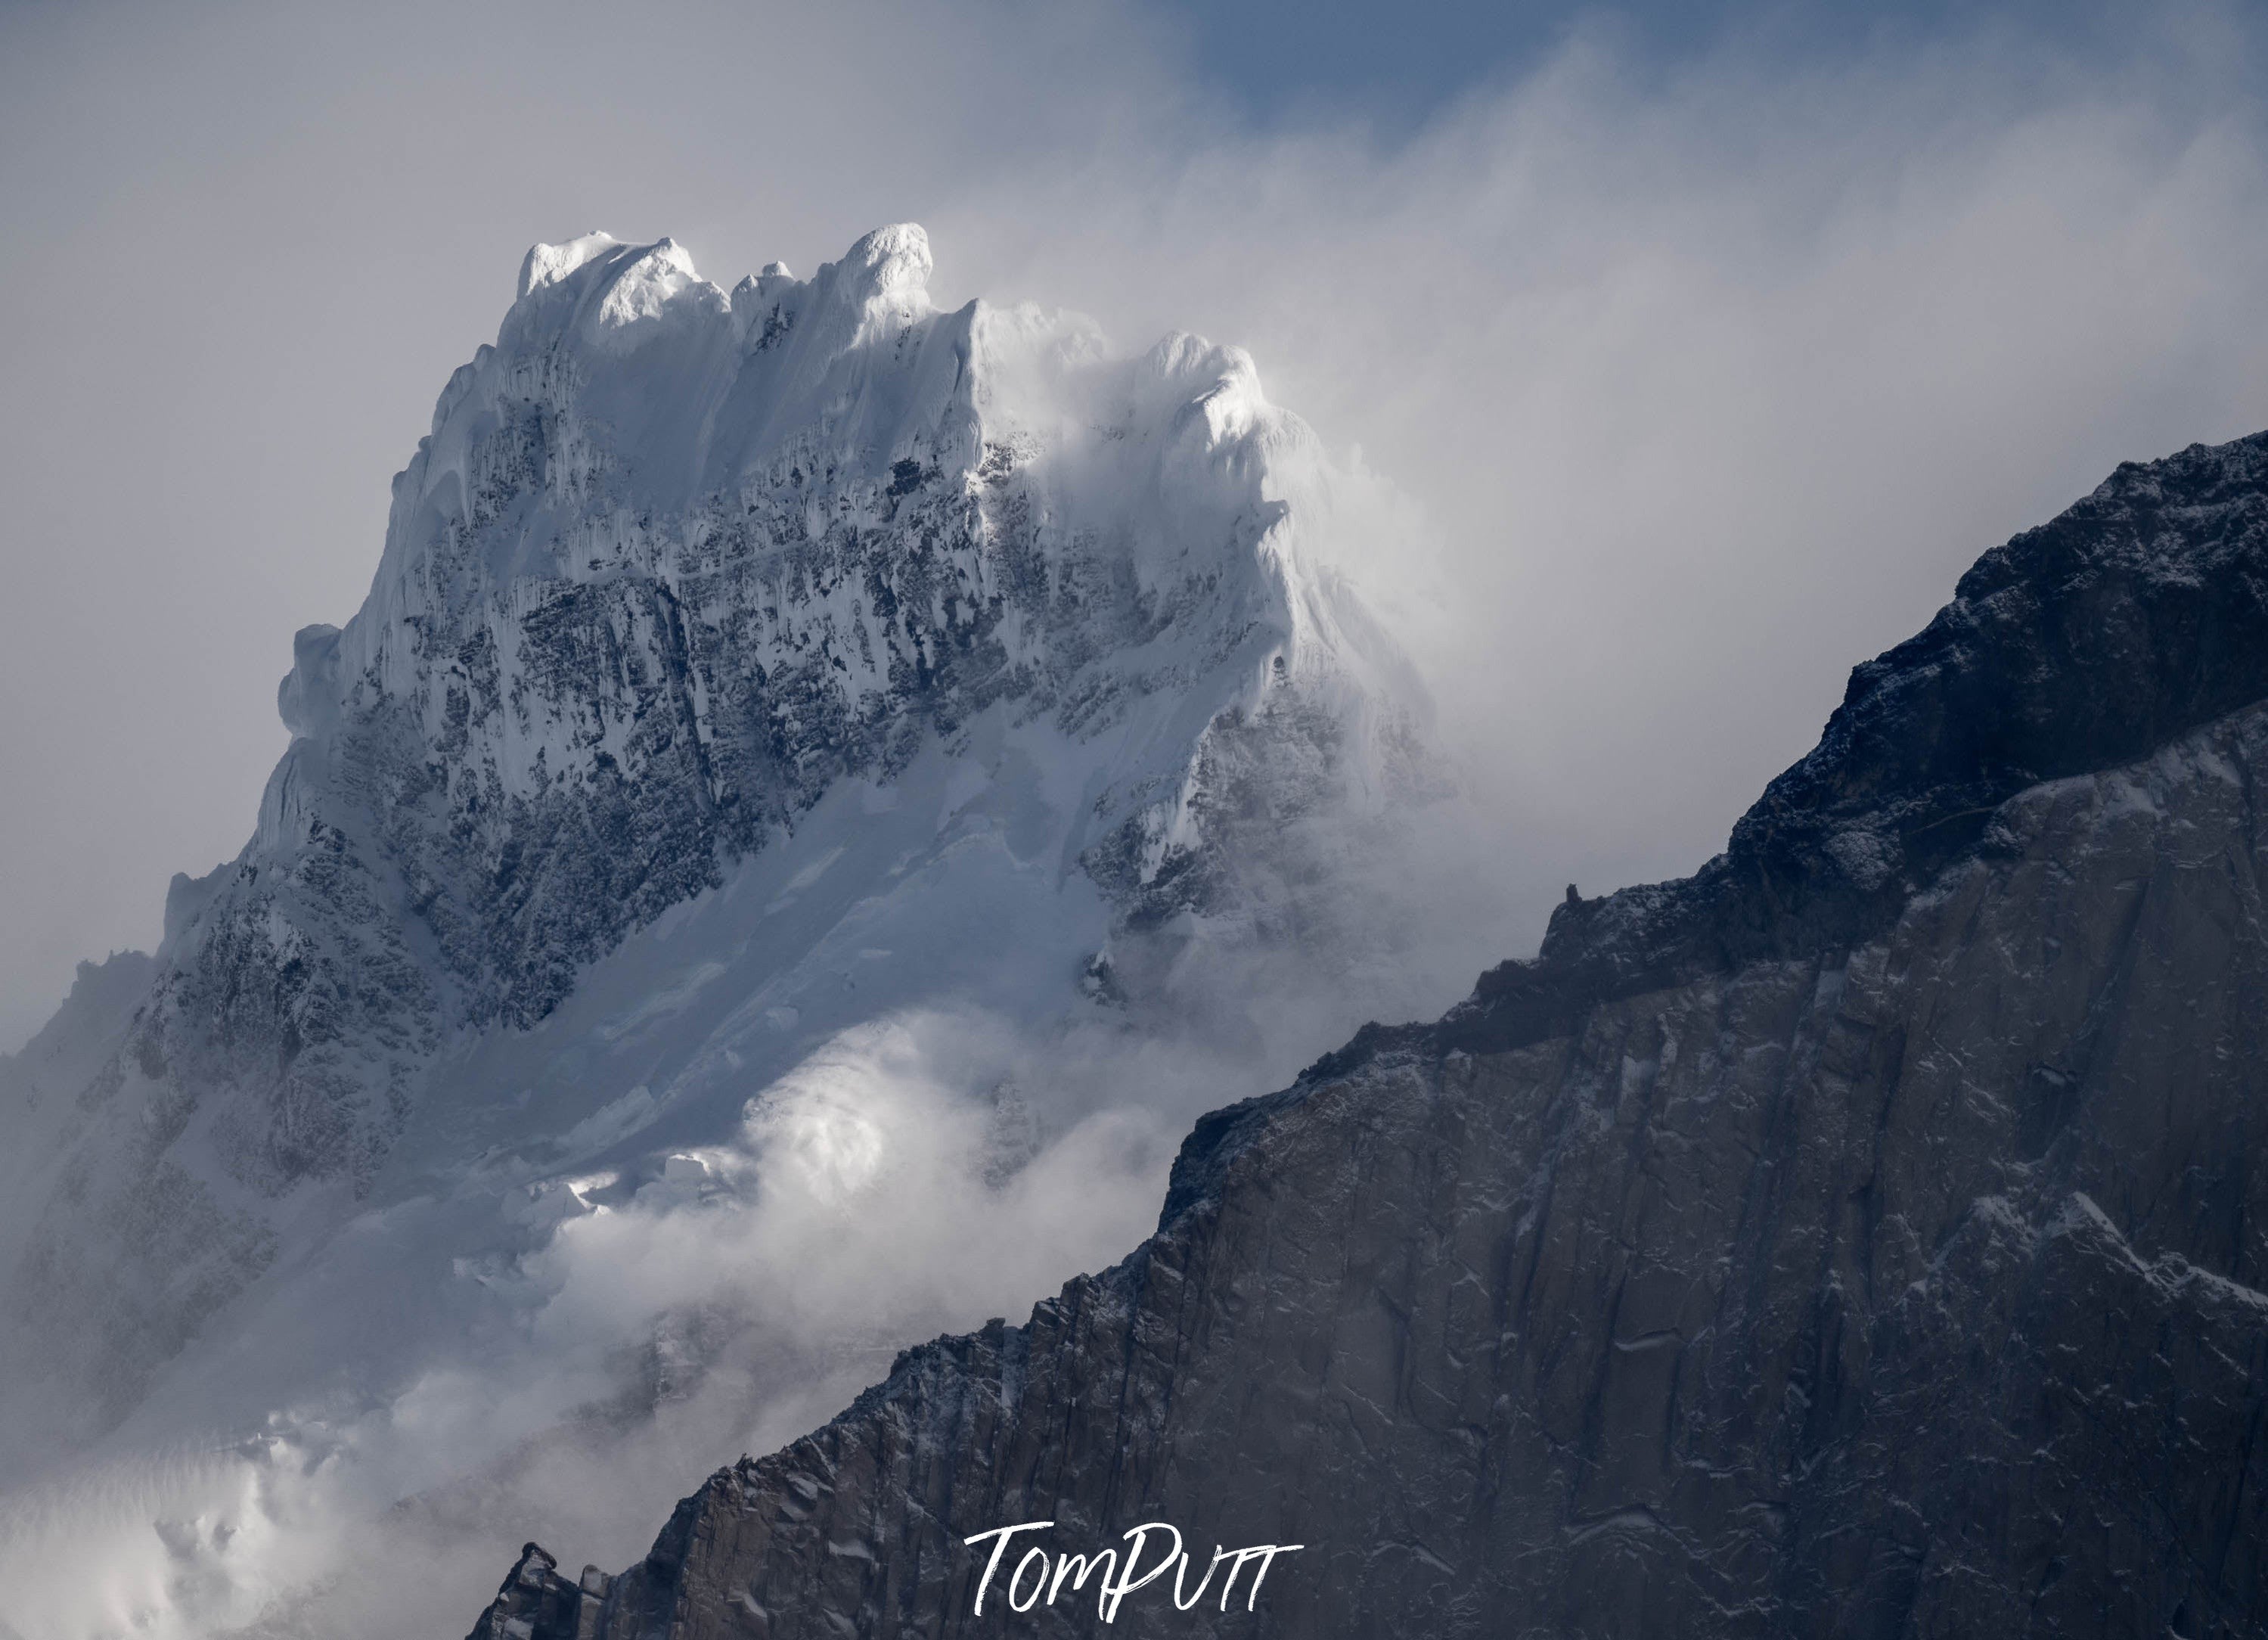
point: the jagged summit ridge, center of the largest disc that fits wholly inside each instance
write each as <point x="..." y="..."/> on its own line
<point x="837" y="520"/>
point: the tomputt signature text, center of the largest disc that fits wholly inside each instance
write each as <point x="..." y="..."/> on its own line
<point x="1039" y="1574"/>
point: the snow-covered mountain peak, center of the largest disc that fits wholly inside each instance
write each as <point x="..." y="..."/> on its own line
<point x="742" y="672"/>
<point x="885" y="274"/>
<point x="623" y="390"/>
<point x="547" y="265"/>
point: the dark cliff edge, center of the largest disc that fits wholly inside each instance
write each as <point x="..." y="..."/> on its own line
<point x="2138" y="614"/>
<point x="1864" y="1236"/>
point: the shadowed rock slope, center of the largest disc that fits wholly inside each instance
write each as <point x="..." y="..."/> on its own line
<point x="1865" y="1236"/>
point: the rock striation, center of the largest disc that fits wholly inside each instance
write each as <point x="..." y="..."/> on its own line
<point x="1866" y="1236"/>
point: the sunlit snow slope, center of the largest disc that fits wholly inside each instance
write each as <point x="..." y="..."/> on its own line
<point x="819" y="791"/>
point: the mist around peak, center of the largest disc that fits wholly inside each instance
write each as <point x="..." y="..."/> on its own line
<point x="820" y="794"/>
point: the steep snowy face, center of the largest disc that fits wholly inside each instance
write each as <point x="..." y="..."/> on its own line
<point x="674" y="566"/>
<point x="675" y="561"/>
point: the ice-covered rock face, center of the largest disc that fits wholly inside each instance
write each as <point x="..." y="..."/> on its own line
<point x="674" y="565"/>
<point x="673" y="562"/>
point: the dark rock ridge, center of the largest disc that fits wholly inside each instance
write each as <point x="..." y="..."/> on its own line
<point x="1866" y="1236"/>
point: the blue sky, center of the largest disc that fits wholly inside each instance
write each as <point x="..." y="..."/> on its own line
<point x="1397" y="63"/>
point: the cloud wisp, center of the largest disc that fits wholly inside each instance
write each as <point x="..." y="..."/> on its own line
<point x="1706" y="381"/>
<point x="1671" y="390"/>
<point x="1709" y="374"/>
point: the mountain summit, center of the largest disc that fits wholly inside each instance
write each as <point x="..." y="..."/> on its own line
<point x="742" y="667"/>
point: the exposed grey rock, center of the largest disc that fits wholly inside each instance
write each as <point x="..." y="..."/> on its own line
<point x="1868" y="1236"/>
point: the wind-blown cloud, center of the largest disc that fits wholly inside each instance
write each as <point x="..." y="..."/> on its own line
<point x="1682" y="387"/>
<point x="905" y="1178"/>
<point x="1709" y="374"/>
<point x="1709" y="378"/>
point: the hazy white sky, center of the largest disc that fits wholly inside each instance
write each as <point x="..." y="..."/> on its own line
<point x="1707" y="361"/>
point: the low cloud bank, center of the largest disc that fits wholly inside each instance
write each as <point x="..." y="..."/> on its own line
<point x="894" y="1185"/>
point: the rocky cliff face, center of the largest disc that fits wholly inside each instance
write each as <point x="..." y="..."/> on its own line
<point x="1866" y="1236"/>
